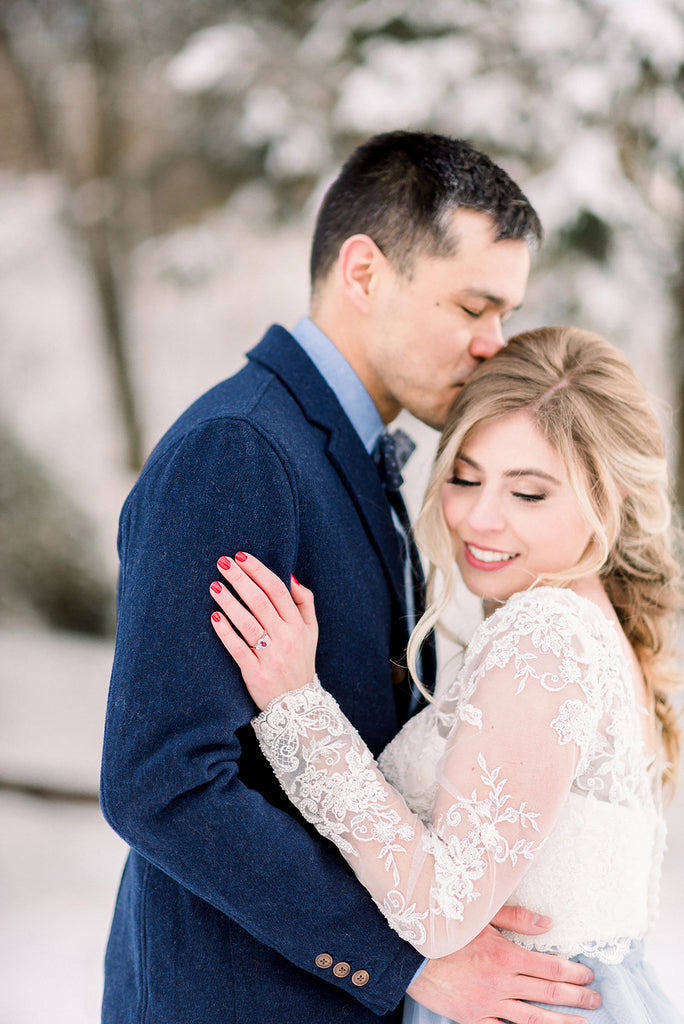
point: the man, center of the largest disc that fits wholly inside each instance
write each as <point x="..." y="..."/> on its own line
<point x="230" y="910"/>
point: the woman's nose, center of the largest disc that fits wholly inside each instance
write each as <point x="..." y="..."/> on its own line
<point x="485" y="514"/>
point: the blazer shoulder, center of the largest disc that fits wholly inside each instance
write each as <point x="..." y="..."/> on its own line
<point x="233" y="407"/>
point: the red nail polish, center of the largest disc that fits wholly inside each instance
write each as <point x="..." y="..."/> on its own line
<point x="223" y="562"/>
<point x="241" y="557"/>
<point x="294" y="579"/>
<point x="216" y="617"/>
<point x="216" y="587"/>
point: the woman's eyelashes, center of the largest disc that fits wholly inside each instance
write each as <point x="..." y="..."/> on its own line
<point x="460" y="481"/>
<point x="531" y="497"/>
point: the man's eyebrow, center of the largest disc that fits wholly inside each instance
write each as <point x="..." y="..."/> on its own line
<point x="493" y="300"/>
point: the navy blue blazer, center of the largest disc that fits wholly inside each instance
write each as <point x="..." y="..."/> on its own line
<point x="231" y="909"/>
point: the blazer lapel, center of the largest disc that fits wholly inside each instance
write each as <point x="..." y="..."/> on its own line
<point x="280" y="353"/>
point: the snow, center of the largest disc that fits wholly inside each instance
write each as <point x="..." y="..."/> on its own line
<point x="658" y="27"/>
<point x="222" y="56"/>
<point x="265" y="111"/>
<point x="60" y="867"/>
<point x="401" y="83"/>
<point x="300" y="150"/>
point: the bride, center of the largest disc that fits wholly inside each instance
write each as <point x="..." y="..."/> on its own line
<point x="534" y="775"/>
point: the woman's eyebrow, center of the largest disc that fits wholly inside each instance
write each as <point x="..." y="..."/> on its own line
<point x="533" y="472"/>
<point x="464" y="458"/>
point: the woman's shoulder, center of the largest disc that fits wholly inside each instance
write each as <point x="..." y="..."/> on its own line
<point x="549" y="603"/>
<point x="554" y="618"/>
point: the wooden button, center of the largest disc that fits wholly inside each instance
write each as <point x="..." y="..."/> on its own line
<point x="324" y="961"/>
<point x="342" y="969"/>
<point x="360" y="978"/>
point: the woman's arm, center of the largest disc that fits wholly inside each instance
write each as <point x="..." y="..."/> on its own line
<point x="502" y="782"/>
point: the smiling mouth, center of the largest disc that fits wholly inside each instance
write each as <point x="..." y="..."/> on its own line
<point x="488" y="557"/>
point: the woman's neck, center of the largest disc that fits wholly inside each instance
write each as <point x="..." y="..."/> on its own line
<point x="589" y="586"/>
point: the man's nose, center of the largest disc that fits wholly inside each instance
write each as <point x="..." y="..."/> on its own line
<point x="488" y="339"/>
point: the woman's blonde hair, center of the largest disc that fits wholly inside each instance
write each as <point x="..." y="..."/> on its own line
<point x="586" y="400"/>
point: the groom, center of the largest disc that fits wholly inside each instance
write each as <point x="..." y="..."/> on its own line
<point x="230" y="910"/>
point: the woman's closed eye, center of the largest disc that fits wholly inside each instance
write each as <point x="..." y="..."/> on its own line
<point x="529" y="497"/>
<point x="460" y="481"/>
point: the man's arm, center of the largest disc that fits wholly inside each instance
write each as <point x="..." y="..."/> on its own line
<point x="171" y="783"/>
<point x="492" y="979"/>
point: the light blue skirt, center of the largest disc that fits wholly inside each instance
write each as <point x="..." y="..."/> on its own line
<point x="630" y="993"/>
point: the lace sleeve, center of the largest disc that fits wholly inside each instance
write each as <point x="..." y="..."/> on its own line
<point x="517" y="736"/>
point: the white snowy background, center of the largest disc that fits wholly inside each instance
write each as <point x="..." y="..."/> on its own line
<point x="555" y="90"/>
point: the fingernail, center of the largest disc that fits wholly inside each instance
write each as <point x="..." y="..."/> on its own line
<point x="543" y="922"/>
<point x="241" y="557"/>
<point x="216" y="587"/>
<point x="216" y="617"/>
<point x="223" y="562"/>
<point x="294" y="579"/>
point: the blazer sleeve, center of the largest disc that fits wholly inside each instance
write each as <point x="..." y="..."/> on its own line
<point x="171" y="783"/>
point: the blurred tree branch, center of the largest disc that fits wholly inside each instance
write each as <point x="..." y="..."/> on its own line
<point x="46" y="58"/>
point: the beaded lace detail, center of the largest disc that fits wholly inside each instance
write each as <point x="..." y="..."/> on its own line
<point x="526" y="782"/>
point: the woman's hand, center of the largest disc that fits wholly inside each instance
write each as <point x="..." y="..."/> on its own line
<point x="273" y="639"/>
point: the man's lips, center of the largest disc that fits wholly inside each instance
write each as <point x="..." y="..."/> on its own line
<point x="486" y="558"/>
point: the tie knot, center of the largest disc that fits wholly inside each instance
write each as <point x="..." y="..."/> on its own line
<point x="390" y="455"/>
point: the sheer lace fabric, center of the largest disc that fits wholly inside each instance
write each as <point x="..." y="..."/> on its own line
<point x="527" y="782"/>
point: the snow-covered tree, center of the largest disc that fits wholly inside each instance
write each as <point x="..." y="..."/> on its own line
<point x="167" y="111"/>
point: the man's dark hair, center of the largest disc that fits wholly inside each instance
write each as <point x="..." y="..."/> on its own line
<point x="400" y="187"/>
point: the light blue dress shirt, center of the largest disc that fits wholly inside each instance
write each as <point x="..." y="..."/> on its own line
<point x="365" y="418"/>
<point x="342" y="379"/>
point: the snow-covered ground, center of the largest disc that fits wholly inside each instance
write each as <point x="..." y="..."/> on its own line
<point x="59" y="863"/>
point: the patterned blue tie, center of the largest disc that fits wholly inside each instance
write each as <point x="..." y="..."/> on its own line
<point x="390" y="455"/>
<point x="392" y="452"/>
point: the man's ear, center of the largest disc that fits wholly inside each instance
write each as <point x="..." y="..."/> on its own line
<point x="360" y="260"/>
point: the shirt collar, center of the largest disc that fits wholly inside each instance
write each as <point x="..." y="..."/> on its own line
<point x="342" y="379"/>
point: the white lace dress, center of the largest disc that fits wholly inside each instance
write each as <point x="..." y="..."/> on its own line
<point x="527" y="782"/>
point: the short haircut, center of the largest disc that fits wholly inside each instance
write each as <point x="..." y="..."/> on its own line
<point x="399" y="188"/>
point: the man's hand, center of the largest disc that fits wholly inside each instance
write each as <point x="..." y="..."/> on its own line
<point x="492" y="979"/>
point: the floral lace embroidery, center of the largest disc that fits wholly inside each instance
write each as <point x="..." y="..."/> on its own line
<point x="335" y="788"/>
<point x="545" y="641"/>
<point x="461" y="863"/>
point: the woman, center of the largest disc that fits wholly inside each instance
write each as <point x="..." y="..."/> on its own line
<point x="536" y="775"/>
